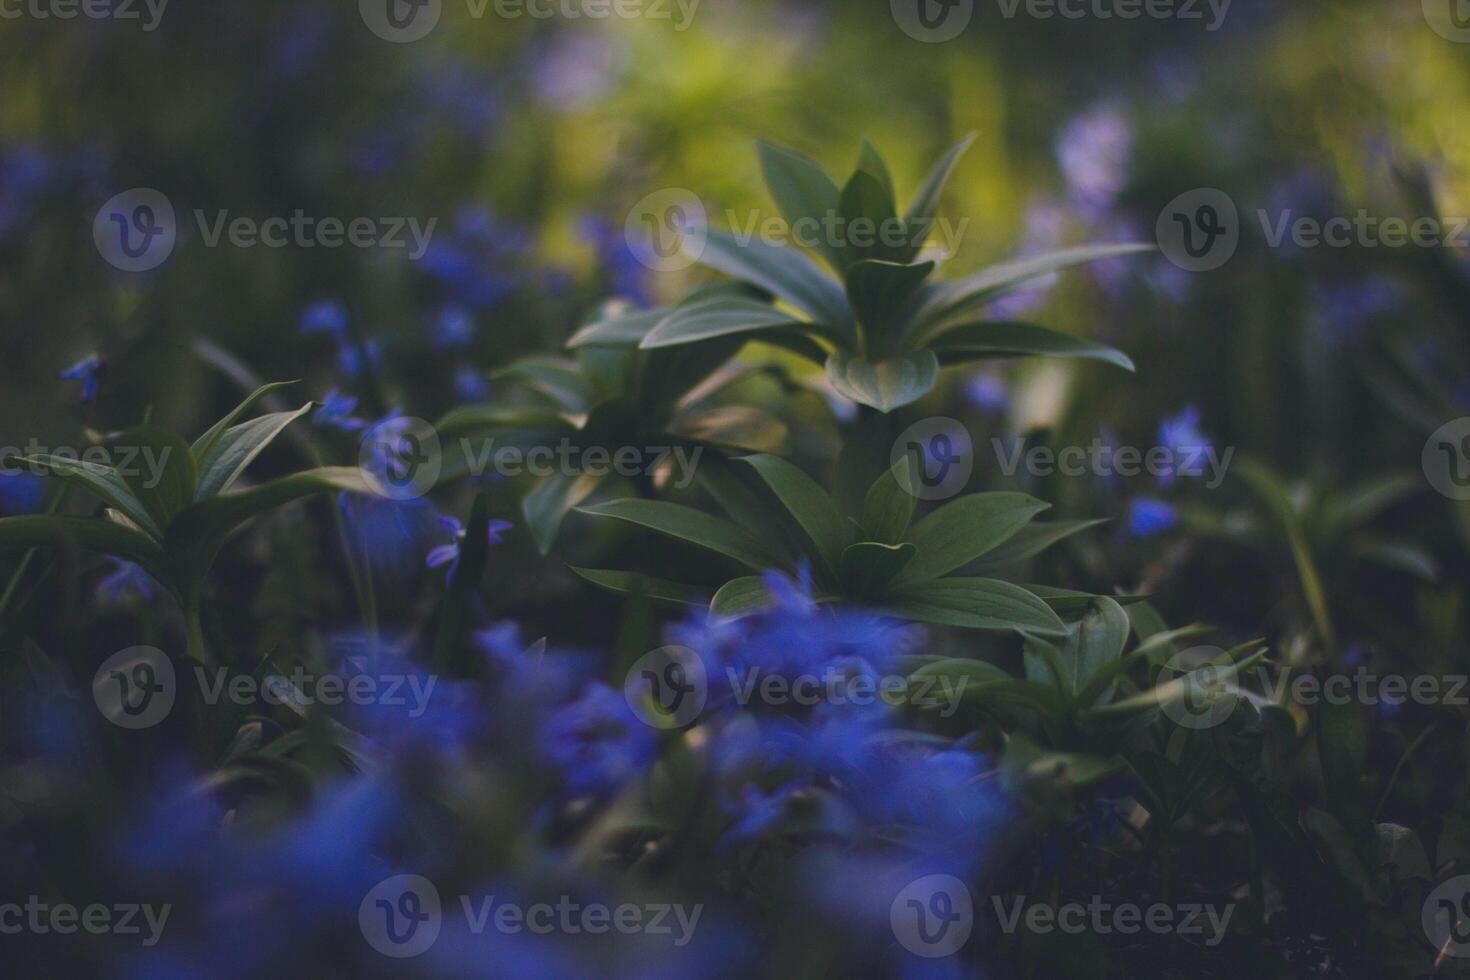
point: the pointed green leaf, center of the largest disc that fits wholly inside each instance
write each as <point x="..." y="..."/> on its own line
<point x="627" y="583"/>
<point x="93" y="534"/>
<point x="554" y="378"/>
<point x="619" y="330"/>
<point x="1094" y="643"/>
<point x="808" y="503"/>
<point x="964" y="529"/>
<point x="871" y="161"/>
<point x="782" y="271"/>
<point x="717" y="318"/>
<point x="101" y="480"/>
<point x="975" y="603"/>
<point x="546" y="506"/>
<point x="158" y="466"/>
<point x="885" y="385"/>
<point x="920" y="215"/>
<point x="867" y="567"/>
<point x="889" y="505"/>
<point x="205" y="443"/>
<point x="804" y="193"/>
<point x="237" y="448"/>
<point x="1029" y="542"/>
<point x="870" y="222"/>
<point x="687" y="524"/>
<point x="997" y="339"/>
<point x="879" y="291"/>
<point x="740" y="596"/>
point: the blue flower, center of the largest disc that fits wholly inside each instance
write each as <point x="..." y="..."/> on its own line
<point x="448" y="554"/>
<point x="125" y="583"/>
<point x="453" y="329"/>
<point x="1094" y="150"/>
<point x="88" y="371"/>
<point x="986" y="390"/>
<point x="597" y="742"/>
<point x="475" y="262"/>
<point x="25" y="173"/>
<point x="626" y="276"/>
<point x="21" y="493"/>
<point x="354" y="360"/>
<point x="1148" y="516"/>
<point x="336" y="410"/>
<point x="388" y="535"/>
<point x="470" y="385"/>
<point x="1343" y="311"/>
<point x="325" y="316"/>
<point x="1187" y="445"/>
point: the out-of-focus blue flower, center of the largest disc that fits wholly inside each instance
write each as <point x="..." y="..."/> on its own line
<point x="572" y="69"/>
<point x="299" y="40"/>
<point x="388" y="535"/>
<point x="470" y="385"/>
<point x="1148" y="516"/>
<point x="453" y="328"/>
<point x="476" y="261"/>
<point x="21" y="493"/>
<point x="88" y="371"/>
<point x="25" y="174"/>
<point x="354" y="360"/>
<point x="336" y="410"/>
<point x="465" y="93"/>
<point x="626" y="276"/>
<point x="1344" y="311"/>
<point x="1094" y="150"/>
<point x="448" y="554"/>
<point x="987" y="391"/>
<point x="126" y="583"/>
<point x="325" y="316"/>
<point x="597" y="743"/>
<point x="1187" y="445"/>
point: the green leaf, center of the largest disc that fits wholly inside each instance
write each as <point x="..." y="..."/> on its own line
<point x="158" y="466"/>
<point x="687" y="524"/>
<point x="886" y="385"/>
<point x="1175" y="690"/>
<point x="1029" y="542"/>
<point x="1071" y="604"/>
<point x="740" y="596"/>
<point x="964" y="529"/>
<point x="803" y="191"/>
<point x="196" y="535"/>
<point x="871" y="162"/>
<point x="1278" y="501"/>
<point x="93" y="534"/>
<point x="808" y="503"/>
<point x="976" y="603"/>
<point x="628" y="583"/>
<point x="101" y="480"/>
<point x="205" y="443"/>
<point x="1095" y="643"/>
<point x="879" y="291"/>
<point x="548" y="504"/>
<point x="483" y="417"/>
<point x="948" y="299"/>
<point x="920" y="215"/>
<point x="619" y="330"/>
<point x="782" y="271"/>
<point x="889" y="505"/>
<point x="554" y="378"/>
<point x="237" y="449"/>
<point x="867" y="567"/>
<point x="717" y="318"/>
<point x="997" y="339"/>
<point x="868" y="212"/>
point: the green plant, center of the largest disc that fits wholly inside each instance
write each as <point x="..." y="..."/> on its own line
<point x="882" y="330"/>
<point x="174" y="522"/>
